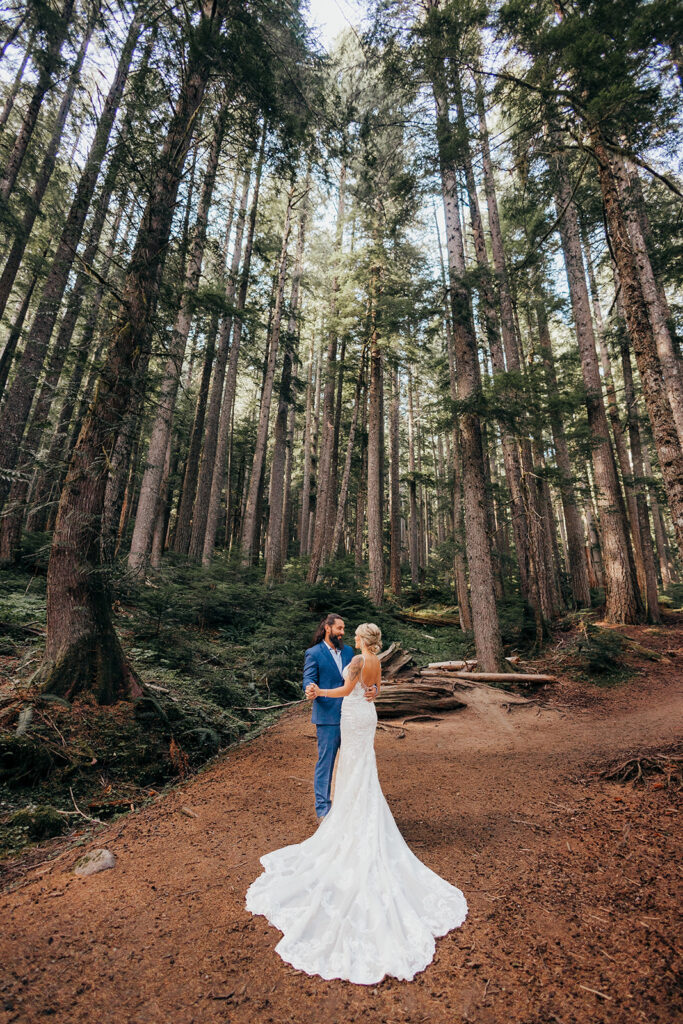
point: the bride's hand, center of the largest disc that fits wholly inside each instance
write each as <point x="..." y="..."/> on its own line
<point x="312" y="690"/>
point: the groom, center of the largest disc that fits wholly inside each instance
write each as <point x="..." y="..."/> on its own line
<point x="325" y="660"/>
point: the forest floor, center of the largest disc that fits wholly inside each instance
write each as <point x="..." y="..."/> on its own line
<point x="571" y="878"/>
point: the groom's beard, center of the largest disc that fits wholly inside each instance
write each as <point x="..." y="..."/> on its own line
<point x="337" y="641"/>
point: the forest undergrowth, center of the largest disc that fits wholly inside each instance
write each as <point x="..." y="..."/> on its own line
<point x="220" y="653"/>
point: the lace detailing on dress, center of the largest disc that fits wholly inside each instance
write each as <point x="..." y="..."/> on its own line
<point x="353" y="900"/>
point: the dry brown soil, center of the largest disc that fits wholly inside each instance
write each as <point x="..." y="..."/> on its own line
<point x="571" y="880"/>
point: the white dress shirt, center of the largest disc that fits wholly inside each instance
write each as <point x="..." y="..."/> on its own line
<point x="337" y="655"/>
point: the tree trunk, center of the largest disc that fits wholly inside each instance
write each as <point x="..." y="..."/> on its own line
<point x="653" y="294"/>
<point x="617" y="428"/>
<point x="149" y="504"/>
<point x="375" y="455"/>
<point x="22" y="235"/>
<point x="363" y="475"/>
<point x="66" y="432"/>
<point x="578" y="570"/>
<point x="511" y="460"/>
<point x="623" y="602"/>
<point x="286" y="532"/>
<point x="487" y="635"/>
<point x="308" y="455"/>
<point x="228" y="401"/>
<point x="20" y="396"/>
<point x="157" y="549"/>
<point x="48" y="65"/>
<point x="644" y="343"/>
<point x="82" y="651"/>
<point x="459" y="557"/>
<point x="183" y="526"/>
<point x="182" y="532"/>
<point x="346" y="474"/>
<point x="394" y="490"/>
<point x="274" y="562"/>
<point x="413" y="514"/>
<point x="650" y="592"/>
<point x="202" y="500"/>
<point x="334" y="460"/>
<point x="663" y="551"/>
<point x="249" y="528"/>
<point x="324" y="500"/>
<point x="15" y="332"/>
<point x="18" y="78"/>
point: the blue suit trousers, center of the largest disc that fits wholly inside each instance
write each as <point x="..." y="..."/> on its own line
<point x="329" y="740"/>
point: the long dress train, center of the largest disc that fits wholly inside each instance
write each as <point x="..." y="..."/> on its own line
<point x="353" y="901"/>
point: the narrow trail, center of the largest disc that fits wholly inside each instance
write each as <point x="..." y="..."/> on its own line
<point x="572" y="881"/>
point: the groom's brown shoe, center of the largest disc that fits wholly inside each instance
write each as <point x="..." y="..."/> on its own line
<point x="321" y="817"/>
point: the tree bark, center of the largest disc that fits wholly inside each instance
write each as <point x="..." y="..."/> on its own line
<point x="617" y="428"/>
<point x="20" y="396"/>
<point x="324" y="500"/>
<point x="644" y="342"/>
<point x="308" y="454"/>
<point x="653" y="294"/>
<point x="622" y="597"/>
<point x="413" y="514"/>
<point x="651" y="597"/>
<point x="68" y="425"/>
<point x="249" y="528"/>
<point x="207" y="467"/>
<point x="487" y="635"/>
<point x="10" y="348"/>
<point x="228" y="401"/>
<point x="346" y="474"/>
<point x="375" y="454"/>
<point x="48" y="65"/>
<point x="149" y="502"/>
<point x="22" y="235"/>
<point x="459" y="557"/>
<point x="522" y="525"/>
<point x="663" y="550"/>
<point x="18" y="78"/>
<point x="361" y="503"/>
<point x="578" y="570"/>
<point x="395" y="489"/>
<point x="183" y="527"/>
<point x="274" y="555"/>
<point x="82" y="651"/>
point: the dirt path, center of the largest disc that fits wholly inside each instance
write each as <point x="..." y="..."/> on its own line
<point x="571" y="881"/>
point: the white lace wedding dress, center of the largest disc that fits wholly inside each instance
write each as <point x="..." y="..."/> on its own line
<point x="352" y="900"/>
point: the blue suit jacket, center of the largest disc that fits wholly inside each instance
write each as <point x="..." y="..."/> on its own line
<point x="321" y="668"/>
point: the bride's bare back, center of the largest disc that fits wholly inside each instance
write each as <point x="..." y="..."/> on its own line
<point x="367" y="669"/>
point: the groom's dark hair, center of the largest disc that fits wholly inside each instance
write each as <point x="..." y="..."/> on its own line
<point x="319" y="635"/>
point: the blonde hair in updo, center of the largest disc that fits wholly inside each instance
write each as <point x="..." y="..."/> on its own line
<point x="371" y="635"/>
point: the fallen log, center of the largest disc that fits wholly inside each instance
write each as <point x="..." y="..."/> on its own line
<point x="428" y="620"/>
<point x="404" y="705"/>
<point x="396" y="664"/>
<point x="505" y="677"/>
<point x="458" y="666"/>
<point x="474" y="692"/>
<point x="387" y="655"/>
<point x="441" y="667"/>
<point x="438" y="677"/>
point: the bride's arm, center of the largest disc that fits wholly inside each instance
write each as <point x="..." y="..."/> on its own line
<point x="352" y="676"/>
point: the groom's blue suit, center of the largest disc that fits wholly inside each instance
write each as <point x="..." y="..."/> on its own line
<point x="320" y="667"/>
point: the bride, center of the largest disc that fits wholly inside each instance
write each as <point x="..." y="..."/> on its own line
<point x="353" y="901"/>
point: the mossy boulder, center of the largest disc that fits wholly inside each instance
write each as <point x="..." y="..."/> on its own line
<point x="39" y="821"/>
